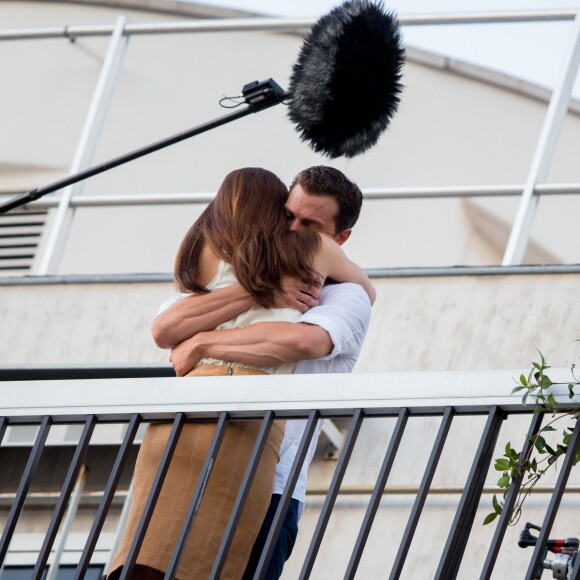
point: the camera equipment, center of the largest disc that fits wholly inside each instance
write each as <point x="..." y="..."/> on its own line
<point x="344" y="90"/>
<point x="565" y="550"/>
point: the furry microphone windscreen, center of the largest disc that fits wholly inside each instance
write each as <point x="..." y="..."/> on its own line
<point x="345" y="86"/>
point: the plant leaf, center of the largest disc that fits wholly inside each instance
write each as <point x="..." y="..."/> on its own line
<point x="503" y="481"/>
<point x="502" y="464"/>
<point x="489" y="518"/>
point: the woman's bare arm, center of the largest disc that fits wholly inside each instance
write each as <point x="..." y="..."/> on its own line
<point x="202" y="312"/>
<point x="332" y="262"/>
<point x="197" y="313"/>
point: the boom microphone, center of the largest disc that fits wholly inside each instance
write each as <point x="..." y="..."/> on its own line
<point x="345" y="86"/>
<point x="344" y="89"/>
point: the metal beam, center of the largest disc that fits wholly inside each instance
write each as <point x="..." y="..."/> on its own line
<point x="375" y="193"/>
<point x="545" y="149"/>
<point x="280" y="24"/>
<point x="86" y="146"/>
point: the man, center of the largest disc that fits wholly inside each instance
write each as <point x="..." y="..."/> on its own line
<point x="327" y="338"/>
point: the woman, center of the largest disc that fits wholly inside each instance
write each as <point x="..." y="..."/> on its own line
<point x="241" y="236"/>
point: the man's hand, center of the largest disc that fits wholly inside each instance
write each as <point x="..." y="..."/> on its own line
<point x="298" y="294"/>
<point x="185" y="356"/>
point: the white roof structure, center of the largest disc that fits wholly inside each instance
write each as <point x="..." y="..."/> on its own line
<point x="459" y="128"/>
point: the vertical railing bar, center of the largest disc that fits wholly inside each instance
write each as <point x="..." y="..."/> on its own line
<point x="198" y="492"/>
<point x="463" y="521"/>
<point x="108" y="494"/>
<point x="278" y="520"/>
<point x="63" y="498"/>
<point x="121" y="523"/>
<point x="576" y="570"/>
<point x="422" y="493"/>
<point x="243" y="492"/>
<point x="86" y="146"/>
<point x="153" y="496"/>
<point x="545" y="150"/>
<point x="555" y="501"/>
<point x="71" y="513"/>
<point x="509" y="503"/>
<point x="377" y="493"/>
<point x="332" y="494"/>
<point x="3" y="425"/>
<point x="23" y="487"/>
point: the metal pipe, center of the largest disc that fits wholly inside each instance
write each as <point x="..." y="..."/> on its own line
<point x="152" y="498"/>
<point x="67" y="523"/>
<point x="369" y="193"/>
<point x="377" y="493"/>
<point x="418" y="272"/>
<point x="198" y="493"/>
<point x="552" y="510"/>
<point x="332" y="493"/>
<point x="87" y="144"/>
<point x="43" y="499"/>
<point x="24" y="486"/>
<point x="465" y="515"/>
<point x="40" y="192"/>
<point x="278" y="519"/>
<point x="545" y="150"/>
<point x="74" y="483"/>
<point x="242" y="496"/>
<point x="510" y="501"/>
<point x="279" y="24"/>
<point x="107" y="498"/>
<point x="422" y="493"/>
<point x="351" y="490"/>
<point x="121" y="523"/>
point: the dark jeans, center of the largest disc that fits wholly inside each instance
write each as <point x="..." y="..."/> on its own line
<point x="284" y="545"/>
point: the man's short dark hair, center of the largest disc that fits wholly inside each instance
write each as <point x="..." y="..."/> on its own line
<point x="324" y="180"/>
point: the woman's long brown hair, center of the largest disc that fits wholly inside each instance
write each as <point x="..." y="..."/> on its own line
<point x="245" y="225"/>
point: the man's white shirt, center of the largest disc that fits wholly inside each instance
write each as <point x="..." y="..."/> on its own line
<point x="344" y="311"/>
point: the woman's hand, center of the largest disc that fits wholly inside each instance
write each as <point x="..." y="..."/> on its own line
<point x="298" y="294"/>
<point x="185" y="356"/>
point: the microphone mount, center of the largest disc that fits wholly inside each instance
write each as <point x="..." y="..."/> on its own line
<point x="258" y="96"/>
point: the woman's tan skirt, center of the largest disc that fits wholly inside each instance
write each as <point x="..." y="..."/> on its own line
<point x="219" y="497"/>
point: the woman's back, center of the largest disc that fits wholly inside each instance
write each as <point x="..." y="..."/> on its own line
<point x="224" y="277"/>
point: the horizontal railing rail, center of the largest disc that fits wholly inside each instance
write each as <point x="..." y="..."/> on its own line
<point x="223" y="400"/>
<point x="67" y="373"/>
<point x="375" y="193"/>
<point x="280" y="24"/>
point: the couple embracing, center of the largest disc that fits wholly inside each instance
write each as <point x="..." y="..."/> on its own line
<point x="265" y="289"/>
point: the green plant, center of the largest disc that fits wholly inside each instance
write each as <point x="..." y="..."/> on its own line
<point x="540" y="456"/>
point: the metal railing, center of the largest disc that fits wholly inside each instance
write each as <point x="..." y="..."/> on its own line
<point x="400" y="396"/>
<point x="279" y="24"/>
<point x="374" y="193"/>
<point x="123" y="30"/>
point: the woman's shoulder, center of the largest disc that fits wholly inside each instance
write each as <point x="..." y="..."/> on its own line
<point x="328" y="244"/>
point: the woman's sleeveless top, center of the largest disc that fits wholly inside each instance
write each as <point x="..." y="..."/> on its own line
<point x="225" y="277"/>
